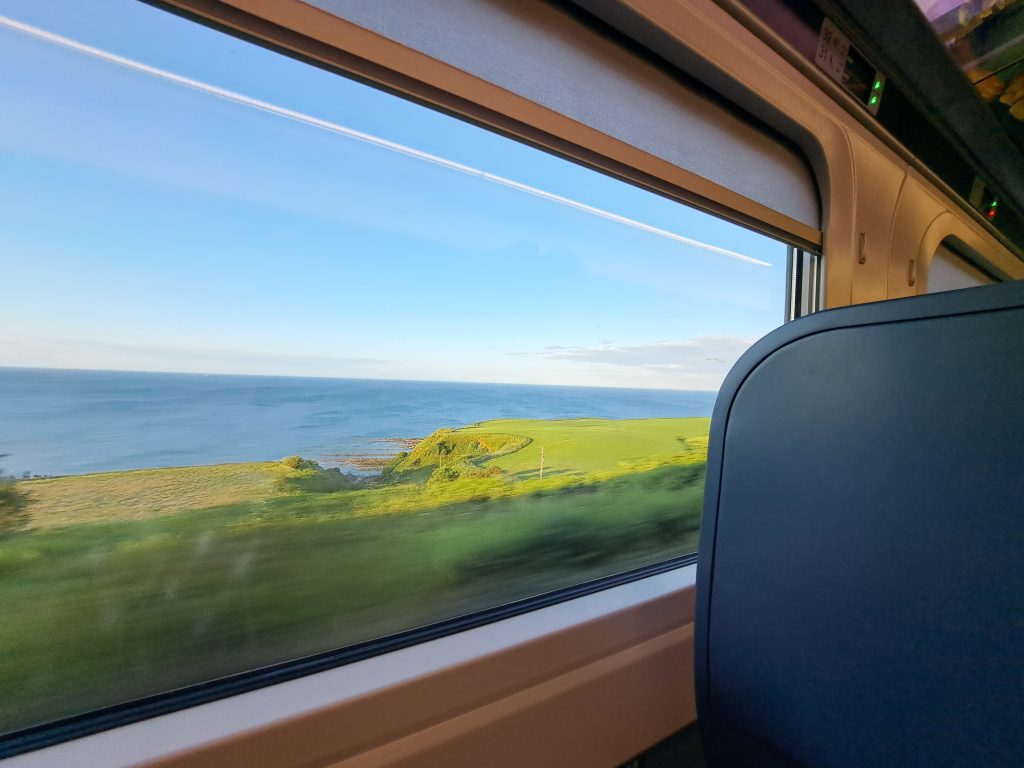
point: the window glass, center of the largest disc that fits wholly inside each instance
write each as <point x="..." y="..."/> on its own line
<point x="288" y="363"/>
<point x="985" y="39"/>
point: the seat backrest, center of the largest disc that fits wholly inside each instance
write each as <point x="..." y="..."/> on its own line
<point x="860" y="594"/>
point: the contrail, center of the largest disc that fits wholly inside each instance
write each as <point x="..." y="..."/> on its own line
<point x="376" y="141"/>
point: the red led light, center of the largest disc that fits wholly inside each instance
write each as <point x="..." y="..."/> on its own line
<point x="991" y="213"/>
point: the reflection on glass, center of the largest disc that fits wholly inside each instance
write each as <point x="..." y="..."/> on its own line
<point x="252" y="315"/>
<point x="986" y="40"/>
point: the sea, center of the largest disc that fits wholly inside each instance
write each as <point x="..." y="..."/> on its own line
<point x="63" y="422"/>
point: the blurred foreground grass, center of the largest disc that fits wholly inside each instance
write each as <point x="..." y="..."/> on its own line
<point x="131" y="583"/>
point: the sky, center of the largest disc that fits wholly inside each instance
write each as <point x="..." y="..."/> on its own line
<point x="267" y="217"/>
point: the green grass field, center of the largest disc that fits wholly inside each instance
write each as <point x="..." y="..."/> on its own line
<point x="578" y="447"/>
<point x="130" y="583"/>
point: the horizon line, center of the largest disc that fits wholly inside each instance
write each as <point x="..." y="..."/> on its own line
<point x="4" y="368"/>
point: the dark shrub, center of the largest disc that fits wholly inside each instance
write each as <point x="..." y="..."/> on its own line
<point x="14" y="505"/>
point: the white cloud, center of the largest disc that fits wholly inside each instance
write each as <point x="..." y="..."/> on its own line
<point x="696" y="363"/>
<point x="699" y="363"/>
<point x="87" y="354"/>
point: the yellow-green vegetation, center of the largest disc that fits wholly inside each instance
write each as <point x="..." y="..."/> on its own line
<point x="449" y="447"/>
<point x="579" y="447"/>
<point x="130" y="583"/>
<point x="490" y="460"/>
<point x="144" y="493"/>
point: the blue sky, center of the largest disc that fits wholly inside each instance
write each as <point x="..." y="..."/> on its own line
<point x="152" y="226"/>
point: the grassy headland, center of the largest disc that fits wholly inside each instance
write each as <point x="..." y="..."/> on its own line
<point x="128" y="583"/>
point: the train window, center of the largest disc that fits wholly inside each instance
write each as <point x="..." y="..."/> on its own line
<point x="291" y="364"/>
<point x="949" y="270"/>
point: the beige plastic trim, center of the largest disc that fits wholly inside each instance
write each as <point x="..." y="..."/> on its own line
<point x="858" y="114"/>
<point x="336" y="42"/>
<point x="590" y="682"/>
<point x="923" y="221"/>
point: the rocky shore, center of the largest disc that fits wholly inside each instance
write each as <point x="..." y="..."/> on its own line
<point x="378" y="454"/>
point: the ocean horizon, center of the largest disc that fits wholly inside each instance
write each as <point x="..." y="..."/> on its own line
<point x="73" y="421"/>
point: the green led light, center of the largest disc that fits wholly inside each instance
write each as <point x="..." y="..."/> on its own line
<point x="877" y="85"/>
<point x="874" y="100"/>
<point x="993" y="204"/>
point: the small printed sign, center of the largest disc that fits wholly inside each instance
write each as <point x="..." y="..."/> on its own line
<point x="833" y="49"/>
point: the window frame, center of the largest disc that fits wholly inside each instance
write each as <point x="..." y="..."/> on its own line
<point x="447" y="700"/>
<point x="803" y="283"/>
<point x="632" y="168"/>
<point x="160" y="704"/>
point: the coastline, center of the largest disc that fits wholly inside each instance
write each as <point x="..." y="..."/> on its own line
<point x="371" y="461"/>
